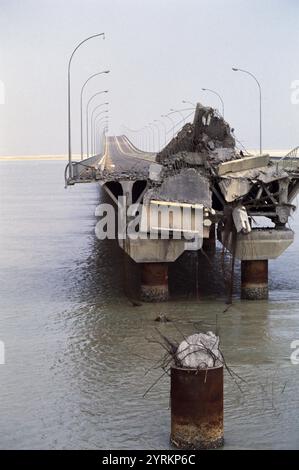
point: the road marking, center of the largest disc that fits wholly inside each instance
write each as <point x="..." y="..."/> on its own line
<point x="131" y="154"/>
<point x="103" y="159"/>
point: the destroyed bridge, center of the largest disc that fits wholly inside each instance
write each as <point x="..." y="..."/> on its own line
<point x="199" y="169"/>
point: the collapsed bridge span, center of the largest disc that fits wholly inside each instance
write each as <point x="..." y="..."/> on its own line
<point x="199" y="180"/>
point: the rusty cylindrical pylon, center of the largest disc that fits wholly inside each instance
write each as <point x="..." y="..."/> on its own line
<point x="197" y="408"/>
<point x="254" y="279"/>
<point x="154" y="282"/>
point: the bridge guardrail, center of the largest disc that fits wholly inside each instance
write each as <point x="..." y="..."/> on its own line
<point x="290" y="161"/>
<point x="88" y="166"/>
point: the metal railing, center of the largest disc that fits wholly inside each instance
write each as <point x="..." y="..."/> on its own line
<point x="290" y="161"/>
<point x="76" y="172"/>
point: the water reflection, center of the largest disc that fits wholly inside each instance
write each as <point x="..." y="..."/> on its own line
<point x="78" y="352"/>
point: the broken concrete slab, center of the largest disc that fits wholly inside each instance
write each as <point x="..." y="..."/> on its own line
<point x="241" y="164"/>
<point x="186" y="186"/>
<point x="155" y="171"/>
<point x="223" y="154"/>
<point x="234" y="188"/>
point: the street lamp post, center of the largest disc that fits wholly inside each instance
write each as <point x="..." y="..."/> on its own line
<point x="153" y="136"/>
<point x="69" y="98"/>
<point x="164" y="127"/>
<point x="136" y="132"/>
<point x="171" y="121"/>
<point x="260" y="98"/>
<point x="219" y="96"/>
<point x="98" y="135"/>
<point x="188" y="102"/>
<point x="97" y="129"/>
<point x="178" y="111"/>
<point x="158" y="129"/>
<point x="92" y="127"/>
<point x="148" y="138"/>
<point x="139" y="137"/>
<point x="87" y="118"/>
<point x="81" y="105"/>
<point x="105" y="130"/>
<point x="141" y="146"/>
<point x="94" y="110"/>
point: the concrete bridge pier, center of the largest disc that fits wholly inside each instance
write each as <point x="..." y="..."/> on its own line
<point x="154" y="282"/>
<point x="127" y="187"/>
<point x="254" y="249"/>
<point x="254" y="279"/>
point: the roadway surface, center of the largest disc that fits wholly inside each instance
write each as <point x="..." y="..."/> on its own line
<point x="122" y="156"/>
<point x="121" y="159"/>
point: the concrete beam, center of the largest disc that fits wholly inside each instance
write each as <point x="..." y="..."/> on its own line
<point x="153" y="251"/>
<point x="246" y="163"/>
<point x="259" y="244"/>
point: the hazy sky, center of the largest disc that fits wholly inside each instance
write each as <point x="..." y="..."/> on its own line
<point x="159" y="53"/>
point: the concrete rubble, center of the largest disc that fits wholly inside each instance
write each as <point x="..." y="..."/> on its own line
<point x="200" y="351"/>
<point x="189" y="186"/>
<point x="202" y="165"/>
<point x="209" y="137"/>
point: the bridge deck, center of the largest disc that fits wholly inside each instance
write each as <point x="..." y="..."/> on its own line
<point x="121" y="160"/>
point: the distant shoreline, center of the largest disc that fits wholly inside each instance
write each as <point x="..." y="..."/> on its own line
<point x="35" y="157"/>
<point x="11" y="158"/>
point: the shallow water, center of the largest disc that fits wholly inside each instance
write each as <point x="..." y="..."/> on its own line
<point x="78" y="354"/>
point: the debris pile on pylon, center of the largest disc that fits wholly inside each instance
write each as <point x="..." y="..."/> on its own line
<point x="199" y="351"/>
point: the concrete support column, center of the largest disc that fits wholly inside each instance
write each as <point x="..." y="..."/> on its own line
<point x="154" y="282"/>
<point x="254" y="279"/>
<point x="127" y="187"/>
<point x="209" y="244"/>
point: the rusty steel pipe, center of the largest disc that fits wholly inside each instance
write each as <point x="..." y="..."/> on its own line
<point x="254" y="279"/>
<point x="196" y="397"/>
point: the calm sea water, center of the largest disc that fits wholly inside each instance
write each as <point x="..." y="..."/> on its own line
<point x="78" y="355"/>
